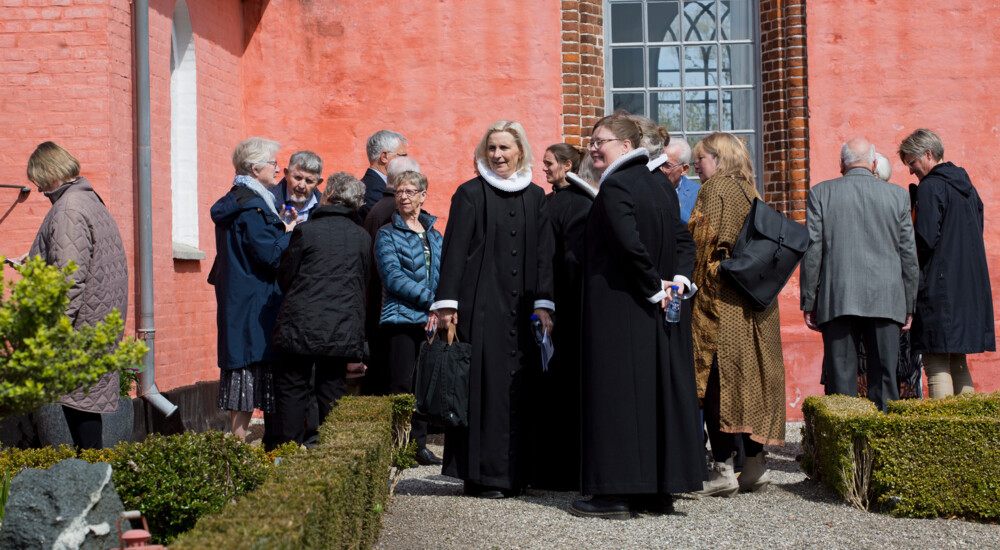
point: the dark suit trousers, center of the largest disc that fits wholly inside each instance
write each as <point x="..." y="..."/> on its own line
<point x="293" y="391"/>
<point x="840" y="357"/>
<point x="404" y="346"/>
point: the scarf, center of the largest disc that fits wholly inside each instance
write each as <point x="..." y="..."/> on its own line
<point x="252" y="184"/>
<point x="517" y="182"/>
<point x="640" y="152"/>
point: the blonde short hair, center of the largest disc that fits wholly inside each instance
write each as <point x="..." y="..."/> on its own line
<point x="513" y="128"/>
<point x="51" y="165"/>
<point x="253" y="152"/>
<point x="731" y="155"/>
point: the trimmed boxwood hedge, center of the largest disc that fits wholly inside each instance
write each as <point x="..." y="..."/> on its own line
<point x="329" y="497"/>
<point x="924" y="458"/>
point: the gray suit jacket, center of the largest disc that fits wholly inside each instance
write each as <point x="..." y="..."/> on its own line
<point x="862" y="258"/>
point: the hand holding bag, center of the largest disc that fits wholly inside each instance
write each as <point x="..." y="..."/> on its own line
<point x="441" y="381"/>
<point x="766" y="253"/>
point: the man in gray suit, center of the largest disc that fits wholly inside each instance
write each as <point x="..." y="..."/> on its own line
<point x="859" y="277"/>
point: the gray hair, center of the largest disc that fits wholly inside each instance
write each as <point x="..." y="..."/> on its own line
<point x="919" y="141"/>
<point x="653" y="139"/>
<point x="850" y="157"/>
<point x="383" y="140"/>
<point x="883" y="169"/>
<point x="253" y="152"/>
<point x="396" y="167"/>
<point x="587" y="172"/>
<point x="684" y="152"/>
<point x="307" y="161"/>
<point x="417" y="179"/>
<point x="343" y="189"/>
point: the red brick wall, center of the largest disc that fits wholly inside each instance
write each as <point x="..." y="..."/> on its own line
<point x="582" y="68"/>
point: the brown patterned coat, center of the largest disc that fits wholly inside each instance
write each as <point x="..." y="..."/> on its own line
<point x="748" y="342"/>
<point x="79" y="227"/>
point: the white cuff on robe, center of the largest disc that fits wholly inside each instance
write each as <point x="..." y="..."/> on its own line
<point x="683" y="279"/>
<point x="444" y="304"/>
<point x="655" y="298"/>
<point x="545" y="304"/>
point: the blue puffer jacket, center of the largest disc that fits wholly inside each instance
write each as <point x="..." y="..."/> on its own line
<point x="399" y="254"/>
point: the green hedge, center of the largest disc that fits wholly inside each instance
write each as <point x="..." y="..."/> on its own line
<point x="924" y="458"/>
<point x="329" y="497"/>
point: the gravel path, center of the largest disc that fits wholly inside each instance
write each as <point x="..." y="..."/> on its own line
<point x="428" y="511"/>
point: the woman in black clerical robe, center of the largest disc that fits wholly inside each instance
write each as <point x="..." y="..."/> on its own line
<point x="641" y="435"/>
<point x="496" y="271"/>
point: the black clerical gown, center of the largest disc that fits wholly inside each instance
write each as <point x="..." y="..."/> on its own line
<point x="641" y="432"/>
<point x="496" y="261"/>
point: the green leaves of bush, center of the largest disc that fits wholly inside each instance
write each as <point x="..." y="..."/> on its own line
<point x="41" y="356"/>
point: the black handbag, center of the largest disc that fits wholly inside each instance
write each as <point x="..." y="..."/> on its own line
<point x="766" y="253"/>
<point x="441" y="381"/>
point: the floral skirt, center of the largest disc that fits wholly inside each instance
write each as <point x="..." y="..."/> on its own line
<point x="246" y="389"/>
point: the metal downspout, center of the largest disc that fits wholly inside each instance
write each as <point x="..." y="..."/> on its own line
<point x="144" y="254"/>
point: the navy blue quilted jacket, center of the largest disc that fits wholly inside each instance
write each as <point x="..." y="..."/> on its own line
<point x="399" y="254"/>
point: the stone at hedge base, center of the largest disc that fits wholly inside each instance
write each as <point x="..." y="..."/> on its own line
<point x="73" y="504"/>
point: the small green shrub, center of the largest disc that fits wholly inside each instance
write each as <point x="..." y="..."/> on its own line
<point x="926" y="458"/>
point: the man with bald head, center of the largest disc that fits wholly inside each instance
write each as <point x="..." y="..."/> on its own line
<point x="859" y="277"/>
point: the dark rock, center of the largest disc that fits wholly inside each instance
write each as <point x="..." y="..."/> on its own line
<point x="73" y="504"/>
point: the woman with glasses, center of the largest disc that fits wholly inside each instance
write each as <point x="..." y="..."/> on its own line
<point x="641" y="438"/>
<point x="249" y="240"/>
<point x="496" y="271"/>
<point x="408" y="256"/>
<point x="737" y="349"/>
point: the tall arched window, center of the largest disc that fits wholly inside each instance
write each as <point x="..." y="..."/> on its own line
<point x="184" y="136"/>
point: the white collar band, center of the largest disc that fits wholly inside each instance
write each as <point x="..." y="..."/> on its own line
<point x="577" y="181"/>
<point x="640" y="152"/>
<point x="517" y="182"/>
<point x="656" y="163"/>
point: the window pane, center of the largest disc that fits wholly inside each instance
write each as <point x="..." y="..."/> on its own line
<point x="735" y="20"/>
<point x="751" y="142"/>
<point x="699" y="20"/>
<point x="663" y="21"/>
<point x="738" y="64"/>
<point x="700" y="64"/>
<point x="626" y="67"/>
<point x="626" y="23"/>
<point x="665" y="108"/>
<point x="665" y="67"/>
<point x="738" y="109"/>
<point x="701" y="110"/>
<point x="629" y="102"/>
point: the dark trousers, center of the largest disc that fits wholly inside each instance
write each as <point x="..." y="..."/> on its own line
<point x="724" y="444"/>
<point x="85" y="427"/>
<point x="840" y="357"/>
<point x="404" y="346"/>
<point x="293" y="391"/>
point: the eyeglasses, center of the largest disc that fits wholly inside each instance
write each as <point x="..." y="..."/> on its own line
<point x="670" y="166"/>
<point x="273" y="163"/>
<point x="408" y="193"/>
<point x="598" y="143"/>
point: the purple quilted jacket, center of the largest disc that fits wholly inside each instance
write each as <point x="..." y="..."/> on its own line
<point x="79" y="227"/>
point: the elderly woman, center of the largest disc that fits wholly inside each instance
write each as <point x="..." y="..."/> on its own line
<point x="249" y="240"/>
<point x="556" y="393"/>
<point x="741" y="374"/>
<point x="79" y="228"/>
<point x="496" y="271"/>
<point x="641" y="439"/>
<point x="408" y="256"/>
<point x="322" y="318"/>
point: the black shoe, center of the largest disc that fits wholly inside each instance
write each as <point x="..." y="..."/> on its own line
<point x="652" y="504"/>
<point x="473" y="489"/>
<point x="602" y="506"/>
<point x="426" y="457"/>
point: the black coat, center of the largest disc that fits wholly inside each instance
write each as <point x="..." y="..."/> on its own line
<point x="641" y="431"/>
<point x="374" y="190"/>
<point x="323" y="274"/>
<point x="376" y="380"/>
<point x="954" y="309"/>
<point x="496" y="261"/>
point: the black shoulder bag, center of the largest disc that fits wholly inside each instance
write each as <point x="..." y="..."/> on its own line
<point x="441" y="381"/>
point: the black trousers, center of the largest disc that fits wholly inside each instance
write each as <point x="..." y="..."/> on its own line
<point x="293" y="391"/>
<point x="86" y="428"/>
<point x="724" y="444"/>
<point x="404" y="346"/>
<point x="840" y="357"/>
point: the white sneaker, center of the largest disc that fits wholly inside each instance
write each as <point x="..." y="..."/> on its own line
<point x="754" y="475"/>
<point x="721" y="481"/>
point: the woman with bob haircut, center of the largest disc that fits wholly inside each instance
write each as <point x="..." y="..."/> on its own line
<point x="741" y="374"/>
<point x="641" y="438"/>
<point x="80" y="229"/>
<point x="496" y="271"/>
<point x="249" y="240"/>
<point x="323" y="273"/>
